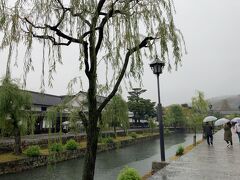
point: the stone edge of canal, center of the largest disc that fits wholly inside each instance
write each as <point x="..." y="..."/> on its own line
<point x="43" y="160"/>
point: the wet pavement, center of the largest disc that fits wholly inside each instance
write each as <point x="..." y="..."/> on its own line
<point x="217" y="162"/>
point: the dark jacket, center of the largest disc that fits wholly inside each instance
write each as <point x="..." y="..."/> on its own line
<point x="208" y="130"/>
<point x="227" y="132"/>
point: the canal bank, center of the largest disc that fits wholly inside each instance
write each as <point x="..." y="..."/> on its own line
<point x="26" y="163"/>
<point x="109" y="163"/>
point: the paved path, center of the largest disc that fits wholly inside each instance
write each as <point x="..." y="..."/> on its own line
<point x="217" y="162"/>
<point x="38" y="137"/>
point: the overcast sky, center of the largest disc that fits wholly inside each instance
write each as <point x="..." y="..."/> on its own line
<point x="211" y="30"/>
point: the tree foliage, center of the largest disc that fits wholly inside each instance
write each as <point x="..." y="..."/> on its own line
<point x="174" y="116"/>
<point x="141" y="108"/>
<point x="200" y="109"/>
<point x="13" y="101"/>
<point x="115" y="27"/>
<point x="116" y="114"/>
<point x="114" y="33"/>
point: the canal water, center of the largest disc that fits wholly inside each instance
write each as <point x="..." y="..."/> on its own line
<point x="109" y="164"/>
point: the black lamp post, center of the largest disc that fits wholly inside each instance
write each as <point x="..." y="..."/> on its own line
<point x="157" y="67"/>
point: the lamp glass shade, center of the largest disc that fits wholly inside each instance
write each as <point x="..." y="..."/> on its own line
<point x="157" y="66"/>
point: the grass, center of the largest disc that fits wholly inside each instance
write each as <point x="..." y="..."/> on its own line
<point x="6" y="157"/>
<point x="186" y="150"/>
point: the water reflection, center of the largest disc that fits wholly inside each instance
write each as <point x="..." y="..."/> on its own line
<point x="139" y="156"/>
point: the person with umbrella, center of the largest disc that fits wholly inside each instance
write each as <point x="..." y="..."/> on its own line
<point x="228" y="134"/>
<point x="237" y="127"/>
<point x="208" y="129"/>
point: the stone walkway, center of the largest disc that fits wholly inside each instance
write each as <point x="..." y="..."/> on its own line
<point x="217" y="162"/>
<point x="39" y="137"/>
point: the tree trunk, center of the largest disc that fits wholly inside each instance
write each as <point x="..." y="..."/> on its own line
<point x="92" y="122"/>
<point x="91" y="151"/>
<point x="17" y="144"/>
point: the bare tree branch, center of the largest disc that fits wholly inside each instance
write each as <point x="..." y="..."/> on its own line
<point x="129" y="53"/>
<point x="85" y="48"/>
<point x="61" y="4"/>
<point x="33" y="25"/>
<point x="51" y="38"/>
<point x="80" y="16"/>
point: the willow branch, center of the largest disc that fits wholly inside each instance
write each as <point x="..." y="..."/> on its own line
<point x="143" y="44"/>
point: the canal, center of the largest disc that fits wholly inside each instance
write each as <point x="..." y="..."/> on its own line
<point x="109" y="164"/>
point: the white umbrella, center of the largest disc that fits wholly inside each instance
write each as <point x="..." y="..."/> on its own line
<point x="236" y="120"/>
<point x="65" y="122"/>
<point x="221" y="121"/>
<point x="209" y="118"/>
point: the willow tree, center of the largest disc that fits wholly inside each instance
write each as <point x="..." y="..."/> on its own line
<point x="113" y="34"/>
<point x="115" y="114"/>
<point x="200" y="110"/>
<point x="13" y="101"/>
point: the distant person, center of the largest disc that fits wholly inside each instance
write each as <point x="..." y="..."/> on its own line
<point x="208" y="130"/>
<point x="228" y="134"/>
<point x="237" y="130"/>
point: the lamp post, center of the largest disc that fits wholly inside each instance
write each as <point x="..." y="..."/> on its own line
<point x="157" y="67"/>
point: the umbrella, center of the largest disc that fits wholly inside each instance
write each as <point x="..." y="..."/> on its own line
<point x="209" y="118"/>
<point x="221" y="121"/>
<point x="65" y="122"/>
<point x="236" y="120"/>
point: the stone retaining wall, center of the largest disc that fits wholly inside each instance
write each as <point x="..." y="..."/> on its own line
<point x="33" y="162"/>
<point x="7" y="145"/>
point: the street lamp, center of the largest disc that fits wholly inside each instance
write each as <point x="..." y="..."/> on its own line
<point x="157" y="67"/>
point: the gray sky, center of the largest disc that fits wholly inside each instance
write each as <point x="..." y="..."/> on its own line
<point x="211" y="31"/>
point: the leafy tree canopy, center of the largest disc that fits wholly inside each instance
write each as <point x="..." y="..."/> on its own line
<point x="143" y="108"/>
<point x="13" y="101"/>
<point x="115" y="28"/>
<point x="175" y="116"/>
<point x="116" y="113"/>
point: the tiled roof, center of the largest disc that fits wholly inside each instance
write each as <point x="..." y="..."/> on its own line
<point x="45" y="99"/>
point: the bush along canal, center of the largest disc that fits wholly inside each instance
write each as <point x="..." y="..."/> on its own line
<point x="143" y="150"/>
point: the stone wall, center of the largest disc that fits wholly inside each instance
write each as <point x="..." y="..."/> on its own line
<point x="33" y="162"/>
<point x="7" y="144"/>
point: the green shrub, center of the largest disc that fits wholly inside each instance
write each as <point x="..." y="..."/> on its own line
<point x="133" y="135"/>
<point x="180" y="150"/>
<point x="33" y="151"/>
<point x="166" y="131"/>
<point x="56" y="147"/>
<point x="71" y="144"/>
<point x="107" y="140"/>
<point x="100" y="139"/>
<point x="129" y="174"/>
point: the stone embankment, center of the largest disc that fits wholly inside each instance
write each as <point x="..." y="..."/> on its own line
<point x="42" y="160"/>
<point x="6" y="144"/>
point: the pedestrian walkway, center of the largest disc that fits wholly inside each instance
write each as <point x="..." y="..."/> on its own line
<point x="217" y="162"/>
<point x="38" y="137"/>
